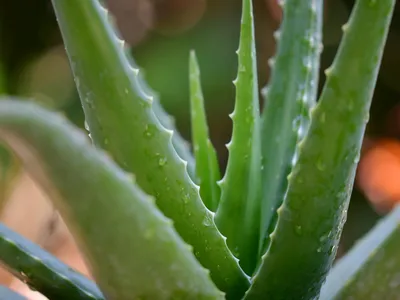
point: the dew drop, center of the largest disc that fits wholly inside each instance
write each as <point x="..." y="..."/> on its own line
<point x="324" y="237"/>
<point x="207" y="221"/>
<point x="149" y="131"/>
<point x="298" y="230"/>
<point x="320" y="165"/>
<point x="296" y="123"/>
<point x="366" y="117"/>
<point x="162" y="161"/>
<point x="185" y="198"/>
<point x="235" y="251"/>
<point x="319" y="250"/>
<point x="357" y="158"/>
<point x="148" y="234"/>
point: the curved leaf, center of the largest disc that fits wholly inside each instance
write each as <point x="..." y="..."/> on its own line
<point x="42" y="271"/>
<point x="122" y="121"/>
<point x="311" y="218"/>
<point x="131" y="248"/>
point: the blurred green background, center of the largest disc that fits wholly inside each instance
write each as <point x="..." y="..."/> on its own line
<point x="161" y="33"/>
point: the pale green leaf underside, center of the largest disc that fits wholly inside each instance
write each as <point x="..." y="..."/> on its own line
<point x="131" y="248"/>
<point x="310" y="220"/>
<point x="122" y="121"/>
<point x="207" y="168"/>
<point x="238" y="213"/>
<point x="370" y="270"/>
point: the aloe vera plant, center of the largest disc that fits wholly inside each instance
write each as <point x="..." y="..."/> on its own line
<point x="155" y="222"/>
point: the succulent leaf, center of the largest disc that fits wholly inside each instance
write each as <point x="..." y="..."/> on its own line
<point x="311" y="218"/>
<point x="370" y="270"/>
<point x="131" y="248"/>
<point x="289" y="96"/>
<point x="122" y="121"/>
<point x="181" y="146"/>
<point x="238" y="213"/>
<point x="207" y="168"/>
<point x="42" y="271"/>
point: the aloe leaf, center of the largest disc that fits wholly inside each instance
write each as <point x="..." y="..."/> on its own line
<point x="181" y="146"/>
<point x="131" y="249"/>
<point x="370" y="270"/>
<point x="238" y="213"/>
<point x="121" y="120"/>
<point x="207" y="168"/>
<point x="42" y="271"/>
<point x="288" y="97"/>
<point x="311" y="218"/>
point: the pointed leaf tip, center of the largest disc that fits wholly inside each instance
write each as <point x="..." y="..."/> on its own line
<point x="238" y="213"/>
<point x="207" y="169"/>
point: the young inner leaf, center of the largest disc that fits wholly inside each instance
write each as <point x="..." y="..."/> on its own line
<point x="207" y="168"/>
<point x="238" y="215"/>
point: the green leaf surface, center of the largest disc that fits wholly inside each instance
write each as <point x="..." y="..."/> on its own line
<point x="42" y="271"/>
<point x="311" y="218"/>
<point x="238" y="213"/>
<point x="207" y="168"/>
<point x="370" y="270"/>
<point x="181" y="146"/>
<point x="122" y="121"/>
<point x="131" y="249"/>
<point x="288" y="97"/>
